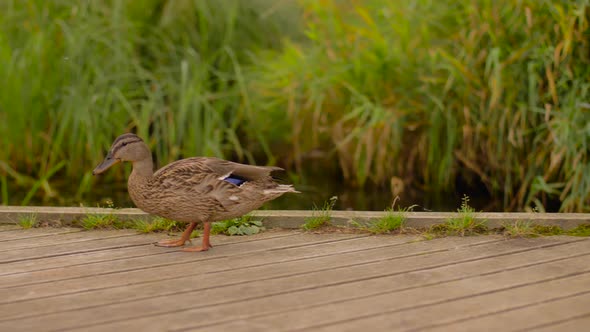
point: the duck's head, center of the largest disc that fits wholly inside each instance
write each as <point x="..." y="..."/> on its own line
<point x="127" y="147"/>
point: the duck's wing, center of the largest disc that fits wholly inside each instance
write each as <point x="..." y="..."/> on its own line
<point x="246" y="172"/>
<point x="224" y="182"/>
<point x="193" y="179"/>
<point x="219" y="167"/>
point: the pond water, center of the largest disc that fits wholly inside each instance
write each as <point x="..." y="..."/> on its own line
<point x="312" y="195"/>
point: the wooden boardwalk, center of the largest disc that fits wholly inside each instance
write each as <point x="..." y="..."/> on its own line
<point x="71" y="280"/>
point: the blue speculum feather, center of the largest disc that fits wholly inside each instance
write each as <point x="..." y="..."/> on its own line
<point x="235" y="180"/>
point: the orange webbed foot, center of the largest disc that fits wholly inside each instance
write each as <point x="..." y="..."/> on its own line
<point x="196" y="249"/>
<point x="171" y="243"/>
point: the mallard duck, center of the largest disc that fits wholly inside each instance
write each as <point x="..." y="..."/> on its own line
<point x="193" y="190"/>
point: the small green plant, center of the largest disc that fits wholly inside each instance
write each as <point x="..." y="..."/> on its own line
<point x="158" y="224"/>
<point x="244" y="225"/>
<point x="104" y="221"/>
<point x="427" y="236"/>
<point x="547" y="230"/>
<point x="436" y="231"/>
<point x="394" y="220"/>
<point x="465" y="223"/>
<point x="519" y="228"/>
<point x="581" y="230"/>
<point x="27" y="221"/>
<point x="320" y="216"/>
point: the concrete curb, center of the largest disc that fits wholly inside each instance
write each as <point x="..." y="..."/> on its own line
<point x="296" y="218"/>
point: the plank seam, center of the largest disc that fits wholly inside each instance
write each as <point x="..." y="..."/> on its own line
<point x="442" y="301"/>
<point x="36" y="236"/>
<point x="378" y="293"/>
<point x="107" y="260"/>
<point x="514" y="308"/>
<point x="69" y="242"/>
<point x="576" y="317"/>
<point x="69" y="253"/>
<point x="322" y="286"/>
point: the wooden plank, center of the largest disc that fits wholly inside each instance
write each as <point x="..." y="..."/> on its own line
<point x="531" y="316"/>
<point x="17" y="234"/>
<point x="389" y="303"/>
<point x="164" y="272"/>
<point x="209" y="276"/>
<point x="446" y="316"/>
<point x="60" y="239"/>
<point x="116" y="238"/>
<point x="571" y="324"/>
<point x="78" y="259"/>
<point x="329" y="295"/>
<point x="118" y="252"/>
<point x="8" y="227"/>
<point x="174" y="257"/>
<point x="109" y="242"/>
<point x="226" y="288"/>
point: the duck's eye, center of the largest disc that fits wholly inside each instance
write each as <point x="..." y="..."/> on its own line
<point x="124" y="143"/>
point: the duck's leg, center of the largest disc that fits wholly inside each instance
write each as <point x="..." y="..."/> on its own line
<point x="186" y="236"/>
<point x="206" y="244"/>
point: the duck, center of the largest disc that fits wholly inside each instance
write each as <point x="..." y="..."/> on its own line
<point x="197" y="190"/>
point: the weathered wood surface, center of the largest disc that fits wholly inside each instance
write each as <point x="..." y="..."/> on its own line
<point x="286" y="280"/>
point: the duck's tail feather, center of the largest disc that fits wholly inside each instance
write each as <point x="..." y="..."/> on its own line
<point x="281" y="189"/>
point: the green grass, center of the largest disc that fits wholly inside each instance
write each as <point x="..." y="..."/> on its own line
<point x="464" y="224"/>
<point x="519" y="228"/>
<point x="158" y="224"/>
<point x="547" y="230"/>
<point x="581" y="230"/>
<point x="491" y="95"/>
<point x="529" y="229"/>
<point x="432" y="91"/>
<point x="103" y="221"/>
<point x="321" y="217"/>
<point x="394" y="220"/>
<point x="244" y="225"/>
<point x="170" y="70"/>
<point x="27" y="221"/>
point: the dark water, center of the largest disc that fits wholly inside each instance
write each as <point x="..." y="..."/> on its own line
<point x="312" y="195"/>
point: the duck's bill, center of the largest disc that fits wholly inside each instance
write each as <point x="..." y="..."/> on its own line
<point x="106" y="164"/>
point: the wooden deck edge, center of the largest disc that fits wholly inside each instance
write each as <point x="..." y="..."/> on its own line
<point x="295" y="218"/>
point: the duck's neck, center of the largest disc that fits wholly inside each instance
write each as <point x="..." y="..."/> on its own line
<point x="138" y="183"/>
<point x="143" y="168"/>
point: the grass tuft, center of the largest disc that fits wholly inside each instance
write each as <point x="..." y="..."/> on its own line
<point x="465" y="223"/>
<point x="393" y="221"/>
<point x="27" y="221"/>
<point x="519" y="229"/>
<point x="321" y="217"/>
<point x="105" y="221"/>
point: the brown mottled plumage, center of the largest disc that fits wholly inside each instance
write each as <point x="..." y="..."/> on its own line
<point x="193" y="189"/>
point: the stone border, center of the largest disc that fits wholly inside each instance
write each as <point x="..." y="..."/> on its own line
<point x="295" y="218"/>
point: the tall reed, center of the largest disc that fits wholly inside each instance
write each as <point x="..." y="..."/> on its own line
<point x="492" y="92"/>
<point x="75" y="74"/>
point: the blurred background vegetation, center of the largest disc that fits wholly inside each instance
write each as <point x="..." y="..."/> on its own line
<point x="366" y="99"/>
